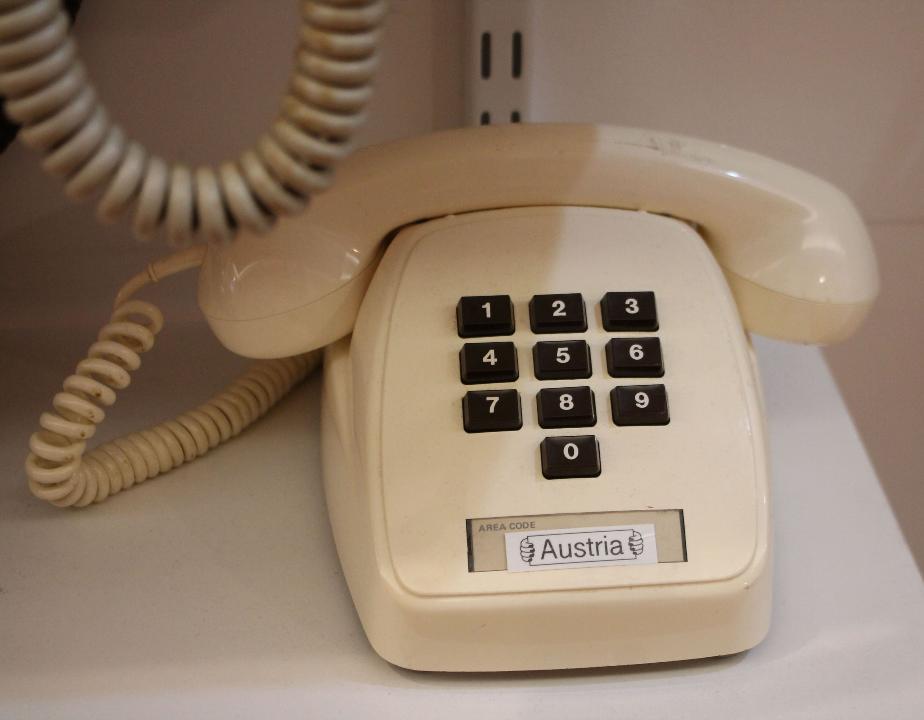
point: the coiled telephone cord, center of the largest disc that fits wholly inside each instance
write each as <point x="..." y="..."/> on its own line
<point x="48" y="92"/>
<point x="57" y="468"/>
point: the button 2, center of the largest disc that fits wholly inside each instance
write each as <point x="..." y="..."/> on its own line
<point x="488" y="362"/>
<point x="640" y="405"/>
<point x="627" y="311"/>
<point x="634" y="357"/>
<point x="557" y="313"/>
<point x="566" y="407"/>
<point x="491" y="411"/>
<point x="570" y="457"/>
<point x="485" y="315"/>
<point x="563" y="360"/>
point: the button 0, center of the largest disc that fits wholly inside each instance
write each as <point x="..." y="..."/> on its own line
<point x="557" y="313"/>
<point x="572" y="456"/>
<point x="488" y="362"/>
<point x="566" y="407"/>
<point x="640" y="405"/>
<point x="491" y="411"/>
<point x="565" y="360"/>
<point x="627" y="311"/>
<point x="634" y="357"/>
<point x="484" y="316"/>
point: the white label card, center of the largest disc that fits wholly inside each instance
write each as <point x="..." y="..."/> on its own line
<point x="581" y="547"/>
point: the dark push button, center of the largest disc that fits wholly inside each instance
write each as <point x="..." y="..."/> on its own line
<point x="640" y="405"/>
<point x="628" y="311"/>
<point x="484" y="316"/>
<point x="491" y="411"/>
<point x="563" y="360"/>
<point x="488" y="362"/>
<point x="634" y="357"/>
<point x="566" y="407"/>
<point x="562" y="313"/>
<point x="572" y="456"/>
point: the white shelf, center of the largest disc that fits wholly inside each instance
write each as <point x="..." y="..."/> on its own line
<point x="215" y="592"/>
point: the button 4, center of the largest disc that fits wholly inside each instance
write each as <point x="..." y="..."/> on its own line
<point x="488" y="362"/>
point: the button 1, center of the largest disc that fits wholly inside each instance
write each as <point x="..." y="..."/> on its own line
<point x="557" y="313"/>
<point x="566" y="407"/>
<point x="488" y="362"/>
<point x="634" y="357"/>
<point x="627" y="311"/>
<point x="572" y="456"/>
<point x="485" y="315"/>
<point x="640" y="405"/>
<point x="491" y="411"/>
<point x="563" y="360"/>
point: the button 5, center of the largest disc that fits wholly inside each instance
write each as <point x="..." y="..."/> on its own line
<point x="561" y="360"/>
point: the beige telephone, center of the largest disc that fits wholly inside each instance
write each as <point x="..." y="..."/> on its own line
<point x="543" y="440"/>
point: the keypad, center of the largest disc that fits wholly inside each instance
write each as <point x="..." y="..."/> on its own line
<point x="574" y="406"/>
<point x="564" y="360"/>
<point x="629" y="311"/>
<point x="488" y="362"/>
<point x="640" y="405"/>
<point x="491" y="411"/>
<point x="566" y="407"/>
<point x="634" y="357"/>
<point x="557" y="313"/>
<point x="573" y="456"/>
<point x="484" y="316"/>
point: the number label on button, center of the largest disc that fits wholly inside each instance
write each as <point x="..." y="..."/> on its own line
<point x="484" y="315"/>
<point x="640" y="405"/>
<point x="557" y="313"/>
<point x="491" y="411"/>
<point x="561" y="360"/>
<point x="566" y="407"/>
<point x="573" y="456"/>
<point x="488" y="362"/>
<point x="634" y="357"/>
<point x="628" y="311"/>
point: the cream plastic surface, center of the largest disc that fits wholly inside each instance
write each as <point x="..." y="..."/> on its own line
<point x="402" y="476"/>
<point x="793" y="248"/>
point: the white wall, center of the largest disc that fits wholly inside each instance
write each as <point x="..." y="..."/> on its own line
<point x="834" y="87"/>
<point x="831" y="86"/>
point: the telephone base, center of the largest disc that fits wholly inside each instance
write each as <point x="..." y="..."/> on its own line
<point x="520" y="631"/>
<point x="410" y="481"/>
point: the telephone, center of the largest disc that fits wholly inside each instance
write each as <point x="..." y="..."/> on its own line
<point x="543" y="442"/>
<point x="543" y="437"/>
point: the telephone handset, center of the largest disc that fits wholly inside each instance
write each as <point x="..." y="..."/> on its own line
<point x="543" y="443"/>
<point x="792" y="247"/>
